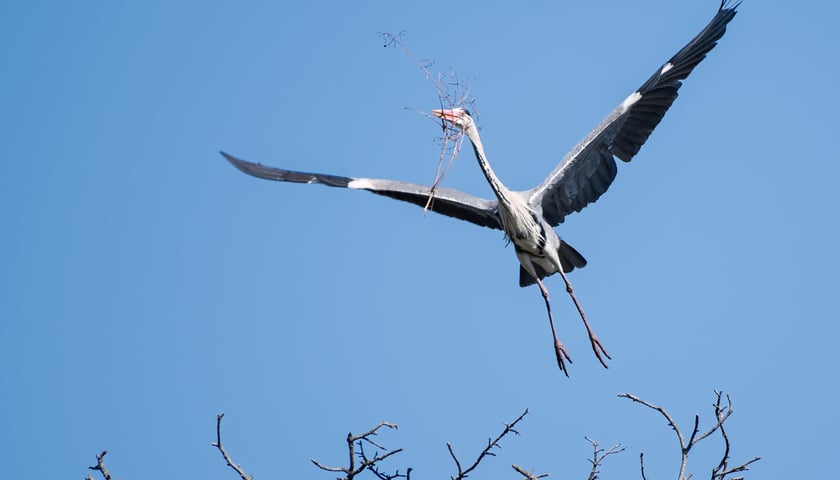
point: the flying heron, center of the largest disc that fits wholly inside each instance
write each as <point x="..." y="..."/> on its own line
<point x="582" y="176"/>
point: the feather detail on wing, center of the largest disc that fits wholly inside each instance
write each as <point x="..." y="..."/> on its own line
<point x="587" y="171"/>
<point x="446" y="201"/>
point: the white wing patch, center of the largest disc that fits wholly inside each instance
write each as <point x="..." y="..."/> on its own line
<point x="666" y="67"/>
<point x="631" y="100"/>
<point x="360" y="184"/>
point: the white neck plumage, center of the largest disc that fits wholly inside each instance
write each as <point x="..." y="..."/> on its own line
<point x="517" y="218"/>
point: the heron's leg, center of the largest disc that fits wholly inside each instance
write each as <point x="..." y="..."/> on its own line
<point x="593" y="339"/>
<point x="559" y="348"/>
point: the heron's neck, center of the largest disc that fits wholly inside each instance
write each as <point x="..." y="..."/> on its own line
<point x="502" y="193"/>
<point x="518" y="220"/>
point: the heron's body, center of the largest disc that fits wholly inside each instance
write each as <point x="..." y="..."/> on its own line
<point x="581" y="177"/>
<point x="538" y="247"/>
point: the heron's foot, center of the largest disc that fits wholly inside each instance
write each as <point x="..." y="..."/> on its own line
<point x="598" y="349"/>
<point x="560" y="352"/>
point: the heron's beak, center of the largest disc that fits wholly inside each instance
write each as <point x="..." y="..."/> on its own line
<point x="447" y="115"/>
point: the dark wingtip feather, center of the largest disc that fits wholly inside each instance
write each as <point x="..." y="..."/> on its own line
<point x="726" y="5"/>
<point x="240" y="164"/>
<point x="271" y="173"/>
<point x="660" y="90"/>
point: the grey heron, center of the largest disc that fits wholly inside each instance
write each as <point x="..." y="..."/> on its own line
<point x="582" y="176"/>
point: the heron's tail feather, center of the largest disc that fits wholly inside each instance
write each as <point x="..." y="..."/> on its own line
<point x="569" y="258"/>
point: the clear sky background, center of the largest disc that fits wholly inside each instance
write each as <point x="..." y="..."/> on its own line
<point x="146" y="285"/>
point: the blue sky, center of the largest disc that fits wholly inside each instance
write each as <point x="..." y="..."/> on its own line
<point x="147" y="285"/>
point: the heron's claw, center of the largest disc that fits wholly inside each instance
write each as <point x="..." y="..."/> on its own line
<point x="598" y="349"/>
<point x="560" y="352"/>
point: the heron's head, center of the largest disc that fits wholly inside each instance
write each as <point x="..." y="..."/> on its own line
<point x="457" y="117"/>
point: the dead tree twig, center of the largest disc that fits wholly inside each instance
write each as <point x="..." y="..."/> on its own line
<point x="218" y="444"/>
<point x="366" y="463"/>
<point x="598" y="456"/>
<point x="642" y="464"/>
<point x="100" y="466"/>
<point x="529" y="475"/>
<point x="722" y="469"/>
<point x="447" y="98"/>
<point x="722" y="413"/>
<point x="463" y="473"/>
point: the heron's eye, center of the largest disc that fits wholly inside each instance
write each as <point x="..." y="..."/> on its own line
<point x="467" y="112"/>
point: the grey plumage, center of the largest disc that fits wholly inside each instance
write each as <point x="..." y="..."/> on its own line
<point x="581" y="177"/>
<point x="447" y="201"/>
<point x="587" y="171"/>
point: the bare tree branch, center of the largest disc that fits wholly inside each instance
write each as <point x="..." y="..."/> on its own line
<point x="359" y="460"/>
<point x="100" y="466"/>
<point x="722" y="469"/>
<point x="668" y="419"/>
<point x="366" y="463"/>
<point x="528" y="475"/>
<point x="445" y="84"/>
<point x="642" y="463"/>
<point x="218" y="444"/>
<point x="598" y="456"/>
<point x="372" y="463"/>
<point x="721" y="415"/>
<point x="462" y="474"/>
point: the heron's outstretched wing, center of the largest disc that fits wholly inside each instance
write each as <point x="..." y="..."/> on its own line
<point x="447" y="201"/>
<point x="587" y="171"/>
